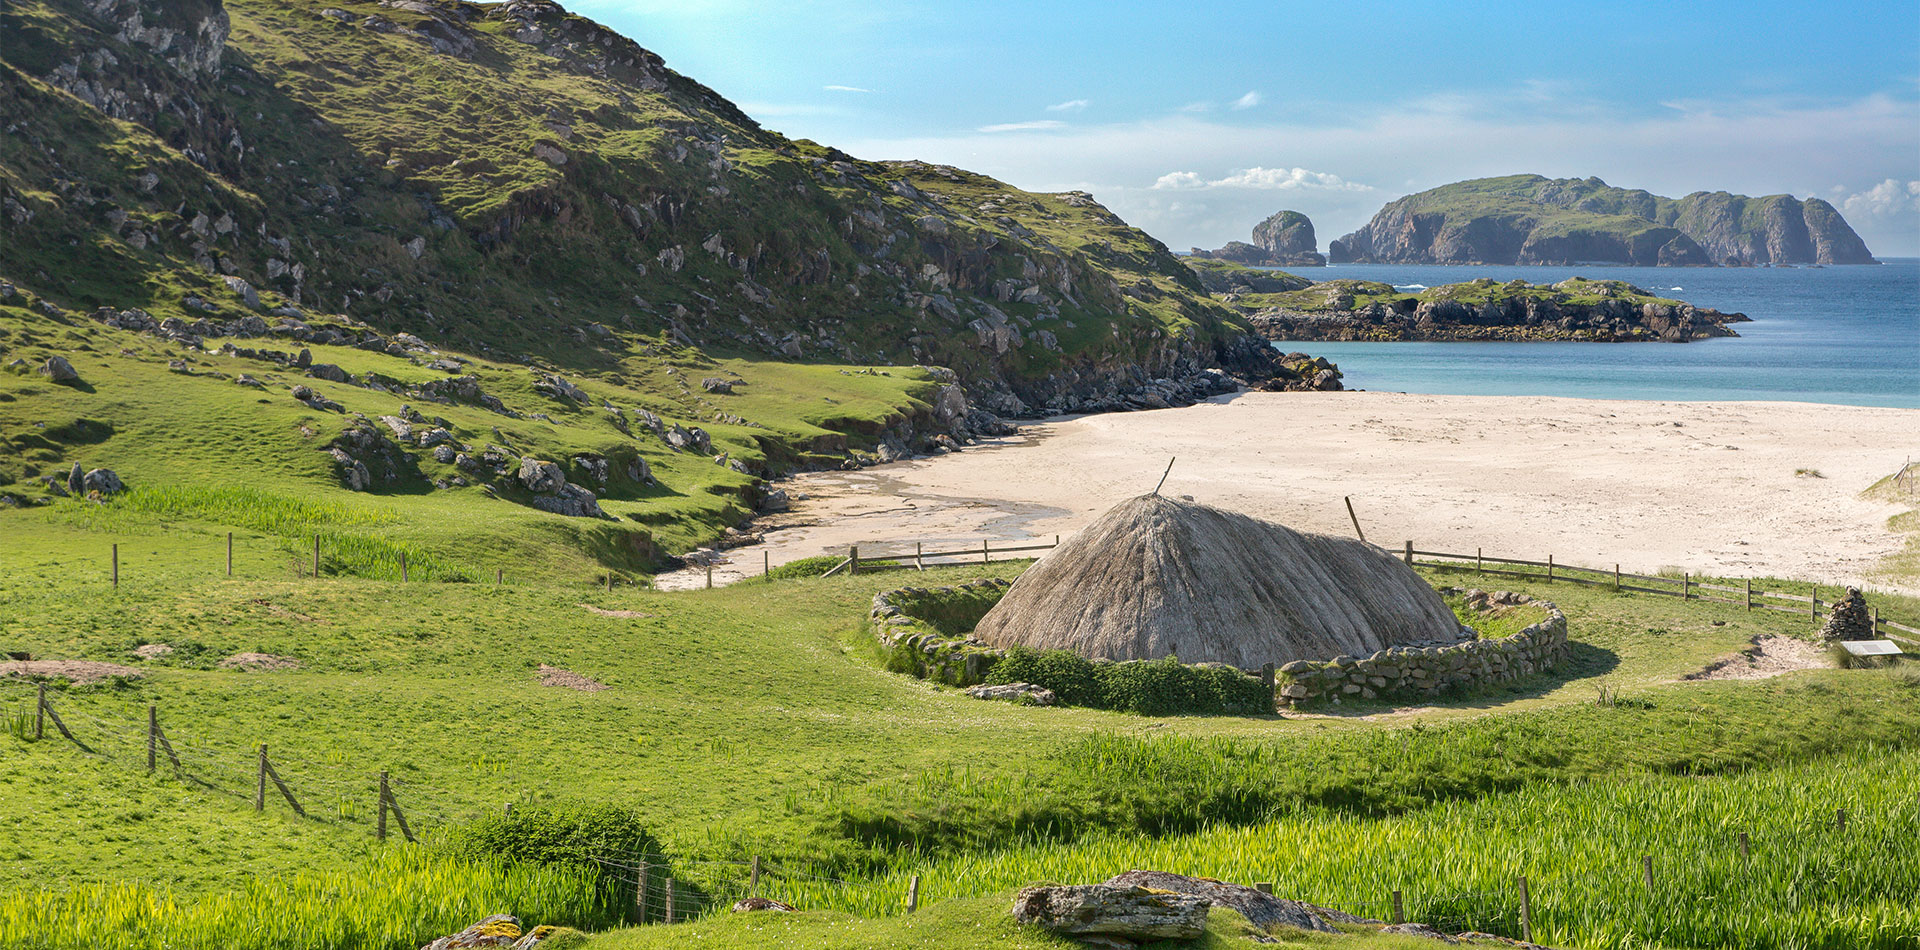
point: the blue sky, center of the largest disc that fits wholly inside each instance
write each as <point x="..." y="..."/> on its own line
<point x="1195" y="121"/>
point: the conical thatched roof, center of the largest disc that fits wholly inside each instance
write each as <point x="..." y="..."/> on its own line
<point x="1155" y="576"/>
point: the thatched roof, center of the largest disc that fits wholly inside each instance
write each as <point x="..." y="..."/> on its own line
<point x="1155" y="576"/>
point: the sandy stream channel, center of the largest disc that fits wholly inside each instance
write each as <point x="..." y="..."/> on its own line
<point x="1722" y="488"/>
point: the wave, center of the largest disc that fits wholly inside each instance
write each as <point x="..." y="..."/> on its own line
<point x="1409" y="286"/>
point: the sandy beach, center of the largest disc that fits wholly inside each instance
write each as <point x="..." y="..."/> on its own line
<point x="1721" y="488"/>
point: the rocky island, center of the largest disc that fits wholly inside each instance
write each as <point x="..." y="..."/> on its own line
<point x="1283" y="306"/>
<point x="1284" y="239"/>
<point x="1528" y="219"/>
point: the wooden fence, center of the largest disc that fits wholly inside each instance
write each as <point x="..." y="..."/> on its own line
<point x="1685" y="587"/>
<point x="894" y="556"/>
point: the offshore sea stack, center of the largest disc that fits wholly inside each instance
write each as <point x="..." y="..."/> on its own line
<point x="1157" y="577"/>
<point x="1284" y="239"/>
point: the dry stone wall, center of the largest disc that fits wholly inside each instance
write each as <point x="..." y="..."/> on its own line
<point x="916" y="645"/>
<point x="1424" y="672"/>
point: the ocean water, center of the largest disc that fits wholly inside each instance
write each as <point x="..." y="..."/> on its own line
<point x="1846" y="335"/>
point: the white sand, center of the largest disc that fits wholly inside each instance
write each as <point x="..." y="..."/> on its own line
<point x="1703" y="487"/>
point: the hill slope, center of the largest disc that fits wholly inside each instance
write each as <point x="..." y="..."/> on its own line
<point x="1528" y="219"/>
<point x="280" y="222"/>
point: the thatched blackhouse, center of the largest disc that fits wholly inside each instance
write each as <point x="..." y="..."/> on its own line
<point x="1156" y="577"/>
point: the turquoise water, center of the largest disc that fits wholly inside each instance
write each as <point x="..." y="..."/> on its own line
<point x="1847" y="335"/>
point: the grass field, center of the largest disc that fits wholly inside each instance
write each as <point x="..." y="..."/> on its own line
<point x="756" y="720"/>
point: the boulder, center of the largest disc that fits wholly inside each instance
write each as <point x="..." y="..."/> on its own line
<point x="748" y="904"/>
<point x="1101" y="912"/>
<point x="1015" y="692"/>
<point x="570" y="500"/>
<point x="776" y="500"/>
<point x="328" y="372"/>
<point x="76" y="480"/>
<point x="541" y="476"/>
<point x="500" y="930"/>
<point x="715" y="384"/>
<point x="57" y="369"/>
<point x="1261" y="909"/>
<point x="102" y="480"/>
<point x="559" y="388"/>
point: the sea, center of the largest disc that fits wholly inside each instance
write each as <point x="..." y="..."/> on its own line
<point x="1844" y="335"/>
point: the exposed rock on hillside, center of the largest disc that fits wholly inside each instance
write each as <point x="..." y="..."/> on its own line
<point x="1527" y="219"/>
<point x="1284" y="239"/>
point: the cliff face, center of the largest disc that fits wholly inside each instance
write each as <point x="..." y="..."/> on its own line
<point x="1527" y="219"/>
<point x="1284" y="239"/>
<point x="511" y="178"/>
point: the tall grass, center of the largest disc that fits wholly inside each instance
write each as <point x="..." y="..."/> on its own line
<point x="347" y="543"/>
<point x="396" y="900"/>
<point x="1806" y="885"/>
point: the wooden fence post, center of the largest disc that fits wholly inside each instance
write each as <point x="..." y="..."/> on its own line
<point x="1840" y="819"/>
<point x="1526" y="911"/>
<point x="1549" y="568"/>
<point x="640" y="888"/>
<point x="403" y="567"/>
<point x="153" y="732"/>
<point x="1399" y="911"/>
<point x="1616" y="578"/>
<point x="766" y="563"/>
<point x="1815" y="609"/>
<point x="1478" y="568"/>
<point x="709" y="575"/>
<point x="1686" y="586"/>
<point x="499" y="574"/>
<point x="1646" y="867"/>
<point x="388" y="804"/>
<point x="229" y="554"/>
<point x="985" y="558"/>
<point x="380" y="829"/>
<point x="40" y="714"/>
<point x="1749" y="595"/>
<point x="278" y="783"/>
<point x="669" y="900"/>
<point x="1409" y="553"/>
<point x="913" y="894"/>
<point x="316" y="557"/>
<point x="609" y="582"/>
<point x="853" y="559"/>
<point x="260" y="787"/>
<point x="919" y="564"/>
<point x="116" y="565"/>
<point x="753" y="879"/>
<point x="1744" y="852"/>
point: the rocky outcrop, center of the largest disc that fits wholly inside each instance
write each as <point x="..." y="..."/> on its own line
<point x="504" y="931"/>
<point x="1528" y="219"/>
<point x="1261" y="909"/>
<point x="1109" y="916"/>
<point x="1575" y="309"/>
<point x="1283" y="240"/>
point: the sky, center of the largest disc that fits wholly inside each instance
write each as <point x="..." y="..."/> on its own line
<point x="1194" y="121"/>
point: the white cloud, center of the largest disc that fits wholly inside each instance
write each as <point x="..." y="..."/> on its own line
<point x="1248" y="101"/>
<point x="1890" y="198"/>
<point x="1071" y="105"/>
<point x="845" y="89"/>
<point x="1261" y="179"/>
<point x="1197" y="107"/>
<point x="1033" y="125"/>
<point x="1172" y="180"/>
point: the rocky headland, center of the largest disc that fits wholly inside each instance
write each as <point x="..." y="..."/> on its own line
<point x="1528" y="219"/>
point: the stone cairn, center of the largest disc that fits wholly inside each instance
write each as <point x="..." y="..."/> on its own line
<point x="1849" y="619"/>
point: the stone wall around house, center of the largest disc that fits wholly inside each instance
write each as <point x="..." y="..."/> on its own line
<point x="913" y="644"/>
<point x="1426" y="672"/>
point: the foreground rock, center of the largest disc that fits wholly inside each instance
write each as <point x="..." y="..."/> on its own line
<point x="57" y="369"/>
<point x="749" y="904"/>
<point x="1261" y="909"/>
<point x="1109" y="916"/>
<point x="503" y="930"/>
